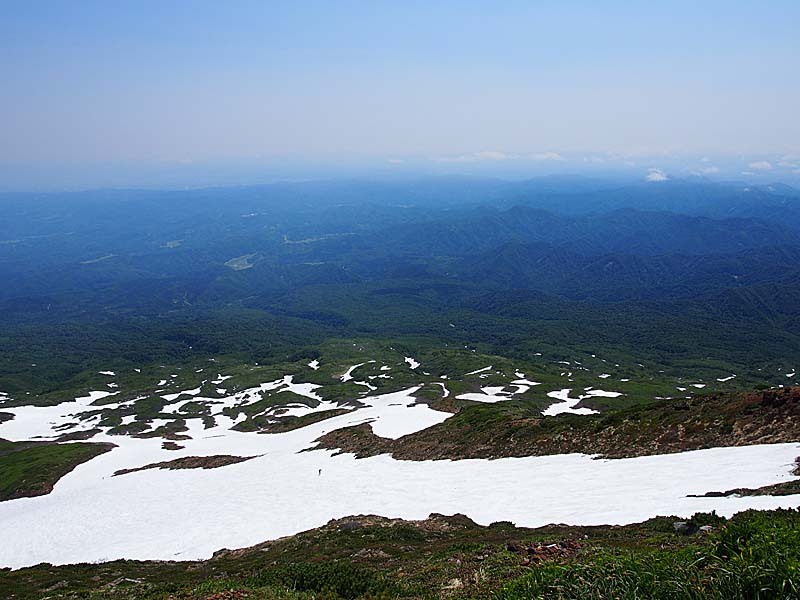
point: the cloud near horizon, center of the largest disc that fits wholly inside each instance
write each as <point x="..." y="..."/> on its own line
<point x="494" y="155"/>
<point x="475" y="157"/>
<point x="656" y="175"/>
<point x="546" y="156"/>
<point x="705" y="171"/>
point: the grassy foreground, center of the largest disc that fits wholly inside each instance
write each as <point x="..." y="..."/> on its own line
<point x="754" y="555"/>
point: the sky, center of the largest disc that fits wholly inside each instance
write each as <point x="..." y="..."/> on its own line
<point x="145" y="93"/>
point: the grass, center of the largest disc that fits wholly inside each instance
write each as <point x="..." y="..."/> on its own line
<point x="755" y="557"/>
<point x="516" y="428"/>
<point x="752" y="556"/>
<point x="32" y="469"/>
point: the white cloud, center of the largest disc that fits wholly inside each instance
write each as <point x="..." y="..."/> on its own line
<point x="705" y="171"/>
<point x="761" y="165"/>
<point x="747" y="173"/>
<point x="396" y="161"/>
<point x="788" y="165"/>
<point x="491" y="155"/>
<point x="546" y="156"/>
<point x="656" y="175"/>
<point x="476" y="156"/>
<point x="456" y="159"/>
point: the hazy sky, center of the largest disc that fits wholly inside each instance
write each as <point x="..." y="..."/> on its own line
<point x="90" y="89"/>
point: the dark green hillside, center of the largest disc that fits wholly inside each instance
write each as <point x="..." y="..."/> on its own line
<point x="623" y="277"/>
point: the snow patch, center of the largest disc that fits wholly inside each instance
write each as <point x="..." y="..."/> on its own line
<point x="348" y="375"/>
<point x="479" y="370"/>
<point x="488" y="395"/>
<point x="412" y="364"/>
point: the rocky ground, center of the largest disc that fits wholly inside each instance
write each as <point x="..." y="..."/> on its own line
<point x="191" y="462"/>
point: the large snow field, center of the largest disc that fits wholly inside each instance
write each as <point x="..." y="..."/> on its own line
<point x="188" y="514"/>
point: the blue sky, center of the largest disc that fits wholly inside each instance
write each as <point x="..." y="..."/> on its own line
<point x="99" y="93"/>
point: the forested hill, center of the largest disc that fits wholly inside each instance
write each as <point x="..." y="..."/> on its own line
<point x="685" y="270"/>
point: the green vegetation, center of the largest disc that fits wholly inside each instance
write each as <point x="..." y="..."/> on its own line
<point x="516" y="428"/>
<point x="755" y="557"/>
<point x="503" y="273"/>
<point x="562" y="287"/>
<point x="33" y="468"/>
<point x="752" y="556"/>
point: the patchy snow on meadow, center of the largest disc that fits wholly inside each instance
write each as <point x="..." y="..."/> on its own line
<point x="567" y="403"/>
<point x="488" y="394"/>
<point x="489" y="368"/>
<point x="445" y="391"/>
<point x="348" y="375"/>
<point x="162" y="514"/>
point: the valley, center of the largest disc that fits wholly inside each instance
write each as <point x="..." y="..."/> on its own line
<point x="492" y="360"/>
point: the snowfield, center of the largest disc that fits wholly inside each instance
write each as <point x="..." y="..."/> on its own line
<point x="92" y="515"/>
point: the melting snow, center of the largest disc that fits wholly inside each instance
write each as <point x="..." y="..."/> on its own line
<point x="80" y="521"/>
<point x="489" y="395"/>
<point x="412" y="364"/>
<point x="348" y="375"/>
<point x="445" y="391"/>
<point x="479" y="370"/>
<point x="171" y="397"/>
<point x="523" y="381"/>
<point x="371" y="388"/>
<point x="567" y="404"/>
<point x="93" y="396"/>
